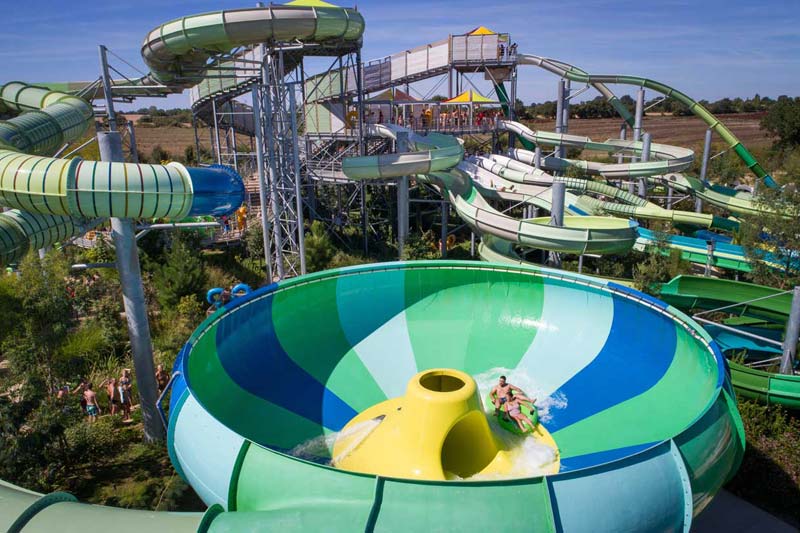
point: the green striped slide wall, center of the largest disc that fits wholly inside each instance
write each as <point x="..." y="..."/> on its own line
<point x="645" y="423"/>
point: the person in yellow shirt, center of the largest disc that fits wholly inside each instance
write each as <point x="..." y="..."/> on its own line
<point x="241" y="217"/>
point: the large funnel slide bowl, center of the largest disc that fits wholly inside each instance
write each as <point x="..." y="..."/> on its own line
<point x="633" y="393"/>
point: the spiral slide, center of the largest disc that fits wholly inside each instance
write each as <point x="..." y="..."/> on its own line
<point x="49" y="191"/>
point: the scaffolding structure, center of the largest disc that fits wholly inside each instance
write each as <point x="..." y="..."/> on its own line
<point x="287" y="132"/>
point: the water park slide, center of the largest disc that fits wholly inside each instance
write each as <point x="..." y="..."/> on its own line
<point x="517" y="182"/>
<point x="176" y="54"/>
<point x="664" y="158"/>
<point x="691" y="293"/>
<point x="59" y="198"/>
<point x="237" y="434"/>
<point x="434" y="158"/>
<point x="258" y="457"/>
<point x="625" y="204"/>
<point x="574" y="74"/>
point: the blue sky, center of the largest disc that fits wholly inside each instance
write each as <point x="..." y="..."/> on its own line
<point x="708" y="49"/>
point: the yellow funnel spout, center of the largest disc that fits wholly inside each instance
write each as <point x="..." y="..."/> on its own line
<point x="437" y="431"/>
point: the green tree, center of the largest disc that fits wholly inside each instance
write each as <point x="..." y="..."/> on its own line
<point x="783" y="121"/>
<point x="181" y="275"/>
<point x="727" y="168"/>
<point x="159" y="155"/>
<point x="660" y="265"/>
<point x="771" y="239"/>
<point x="46" y="320"/>
<point x="189" y="155"/>
<point x="421" y="246"/>
<point x="254" y="238"/>
<point x="319" y="248"/>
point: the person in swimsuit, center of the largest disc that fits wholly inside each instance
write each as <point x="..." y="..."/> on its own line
<point x="162" y="378"/>
<point x="92" y="409"/>
<point x="513" y="406"/>
<point x="499" y="391"/>
<point x="125" y="386"/>
<point x="113" y="394"/>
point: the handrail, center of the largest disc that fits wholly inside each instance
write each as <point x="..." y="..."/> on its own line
<point x="161" y="396"/>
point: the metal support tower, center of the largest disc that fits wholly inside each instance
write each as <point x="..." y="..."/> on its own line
<point x="792" y="333"/>
<point x="277" y="145"/>
<point x="557" y="217"/>
<point x="402" y="199"/>
<point x="130" y="275"/>
<point x="698" y="205"/>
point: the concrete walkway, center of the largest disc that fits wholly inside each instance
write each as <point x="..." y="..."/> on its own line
<point x="733" y="515"/>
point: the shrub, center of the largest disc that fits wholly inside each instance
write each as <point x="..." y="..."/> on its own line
<point x="319" y="248"/>
<point x="101" y="438"/>
<point x="770" y="472"/>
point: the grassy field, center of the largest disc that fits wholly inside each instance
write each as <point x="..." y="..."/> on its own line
<point x="681" y="131"/>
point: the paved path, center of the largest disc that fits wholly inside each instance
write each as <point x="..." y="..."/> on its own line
<point x="730" y="514"/>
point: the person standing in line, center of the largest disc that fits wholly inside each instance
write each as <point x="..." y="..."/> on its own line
<point x="125" y="387"/>
<point x="113" y="395"/>
<point x="162" y="378"/>
<point x="92" y="408"/>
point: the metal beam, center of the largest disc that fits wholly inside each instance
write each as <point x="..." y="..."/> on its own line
<point x="792" y="333"/>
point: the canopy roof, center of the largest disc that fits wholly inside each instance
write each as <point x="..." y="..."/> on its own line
<point x="470" y="97"/>
<point x="481" y="30"/>
<point x="309" y="3"/>
<point x="393" y="95"/>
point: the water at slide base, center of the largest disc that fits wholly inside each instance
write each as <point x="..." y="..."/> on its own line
<point x="647" y="430"/>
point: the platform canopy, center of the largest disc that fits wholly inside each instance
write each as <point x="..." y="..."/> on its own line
<point x="470" y="97"/>
<point x="392" y="96"/>
<point x="310" y="3"/>
<point x="482" y="30"/>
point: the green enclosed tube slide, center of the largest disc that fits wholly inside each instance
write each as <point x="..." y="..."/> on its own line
<point x="177" y="54"/>
<point x="59" y="198"/>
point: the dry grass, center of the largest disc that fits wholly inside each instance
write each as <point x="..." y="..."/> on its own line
<point x="173" y="140"/>
<point x="681" y="131"/>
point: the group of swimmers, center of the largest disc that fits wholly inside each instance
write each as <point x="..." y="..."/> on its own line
<point x="510" y="398"/>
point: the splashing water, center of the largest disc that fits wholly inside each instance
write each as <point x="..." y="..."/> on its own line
<point x="319" y="449"/>
<point x="520" y="378"/>
<point x="530" y="456"/>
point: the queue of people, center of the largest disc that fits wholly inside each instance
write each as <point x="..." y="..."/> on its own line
<point x="119" y="392"/>
<point x="434" y="117"/>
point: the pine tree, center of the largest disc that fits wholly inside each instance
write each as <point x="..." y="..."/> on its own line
<point x="319" y="248"/>
<point x="182" y="274"/>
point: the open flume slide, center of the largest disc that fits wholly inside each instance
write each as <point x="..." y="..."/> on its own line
<point x="575" y="74"/>
<point x="510" y="180"/>
<point x="436" y="158"/>
<point x="757" y="307"/>
<point x="665" y="158"/>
